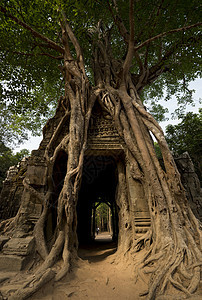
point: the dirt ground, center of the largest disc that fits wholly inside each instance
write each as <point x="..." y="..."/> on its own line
<point x="96" y="277"/>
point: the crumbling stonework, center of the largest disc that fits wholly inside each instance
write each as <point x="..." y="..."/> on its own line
<point x="10" y="197"/>
<point x="191" y="183"/>
<point x="16" y="253"/>
<point x="11" y="194"/>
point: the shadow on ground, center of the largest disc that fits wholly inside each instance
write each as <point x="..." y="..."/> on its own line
<point x="99" y="249"/>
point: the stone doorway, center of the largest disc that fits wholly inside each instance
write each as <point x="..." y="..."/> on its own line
<point x="98" y="186"/>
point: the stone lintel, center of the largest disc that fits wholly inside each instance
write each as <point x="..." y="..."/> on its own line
<point x="104" y="146"/>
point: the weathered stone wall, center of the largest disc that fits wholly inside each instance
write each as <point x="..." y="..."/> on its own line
<point x="10" y="197"/>
<point x="34" y="169"/>
<point x="103" y="139"/>
<point x="191" y="183"/>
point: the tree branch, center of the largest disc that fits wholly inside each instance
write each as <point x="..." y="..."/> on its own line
<point x="129" y="56"/>
<point x="166" y="33"/>
<point x="65" y="41"/>
<point x="124" y="33"/>
<point x="51" y="44"/>
<point x="119" y="22"/>
<point x="152" y="30"/>
<point x="162" y="65"/>
<point x="74" y="42"/>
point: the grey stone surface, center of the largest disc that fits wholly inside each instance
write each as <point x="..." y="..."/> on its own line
<point x="36" y="174"/>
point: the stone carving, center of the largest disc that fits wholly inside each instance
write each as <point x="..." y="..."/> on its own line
<point x="16" y="253"/>
<point x="101" y="127"/>
<point x="103" y="134"/>
<point x="36" y="170"/>
<point x="19" y="246"/>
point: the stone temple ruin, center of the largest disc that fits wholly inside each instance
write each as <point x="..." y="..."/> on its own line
<point x="99" y="182"/>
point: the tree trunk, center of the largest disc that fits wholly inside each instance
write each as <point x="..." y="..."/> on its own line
<point x="175" y="238"/>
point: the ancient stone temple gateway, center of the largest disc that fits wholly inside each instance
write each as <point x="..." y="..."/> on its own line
<point x="104" y="158"/>
<point x="104" y="163"/>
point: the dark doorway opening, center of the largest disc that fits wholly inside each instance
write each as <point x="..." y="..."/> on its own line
<point x="98" y="189"/>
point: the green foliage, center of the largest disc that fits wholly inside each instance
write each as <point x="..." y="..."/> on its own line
<point x="29" y="83"/>
<point x="158" y="111"/>
<point x="7" y="159"/>
<point x="30" y="77"/>
<point x="157" y="150"/>
<point x="101" y="217"/>
<point x="187" y="136"/>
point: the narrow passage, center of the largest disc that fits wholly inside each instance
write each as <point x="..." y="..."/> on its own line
<point x="99" y="249"/>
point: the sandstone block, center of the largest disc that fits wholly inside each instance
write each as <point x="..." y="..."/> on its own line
<point x="12" y="263"/>
<point x="36" y="174"/>
<point x="19" y="246"/>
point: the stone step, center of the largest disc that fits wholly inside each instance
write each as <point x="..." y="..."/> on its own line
<point x="16" y="253"/>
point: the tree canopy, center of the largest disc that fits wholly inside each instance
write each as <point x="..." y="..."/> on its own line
<point x="166" y="35"/>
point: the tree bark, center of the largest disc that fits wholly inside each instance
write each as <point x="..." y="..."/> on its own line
<point x="175" y="233"/>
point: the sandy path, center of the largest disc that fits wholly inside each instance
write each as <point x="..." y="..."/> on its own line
<point x="96" y="277"/>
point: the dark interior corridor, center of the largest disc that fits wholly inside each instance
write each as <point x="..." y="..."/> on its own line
<point x="98" y="186"/>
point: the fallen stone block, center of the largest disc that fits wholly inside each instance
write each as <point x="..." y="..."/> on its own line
<point x="19" y="246"/>
<point x="12" y="263"/>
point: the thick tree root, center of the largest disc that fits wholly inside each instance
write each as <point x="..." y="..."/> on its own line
<point x="54" y="253"/>
<point x="39" y="235"/>
<point x="6" y="225"/>
<point x="32" y="285"/>
<point x="170" y="267"/>
<point x="64" y="270"/>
